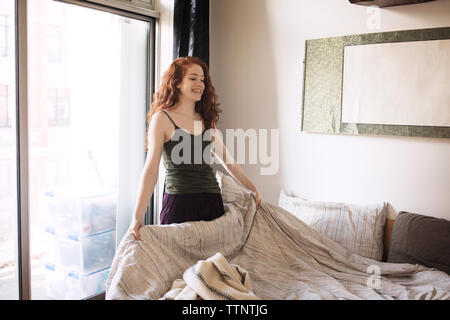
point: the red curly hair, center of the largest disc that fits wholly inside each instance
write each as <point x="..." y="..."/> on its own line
<point x="168" y="94"/>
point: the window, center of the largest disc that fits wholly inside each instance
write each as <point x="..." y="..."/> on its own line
<point x="58" y="107"/>
<point x="84" y="143"/>
<point x="53" y="44"/>
<point x="4" y="30"/>
<point x="9" y="253"/>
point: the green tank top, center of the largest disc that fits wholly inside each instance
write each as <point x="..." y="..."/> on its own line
<point x="187" y="159"/>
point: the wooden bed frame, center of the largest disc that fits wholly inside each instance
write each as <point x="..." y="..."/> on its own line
<point x="387" y="237"/>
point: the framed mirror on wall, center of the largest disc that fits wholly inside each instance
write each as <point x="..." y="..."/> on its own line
<point x="387" y="3"/>
<point x="391" y="83"/>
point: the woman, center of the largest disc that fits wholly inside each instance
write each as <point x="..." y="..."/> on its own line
<point x="185" y="100"/>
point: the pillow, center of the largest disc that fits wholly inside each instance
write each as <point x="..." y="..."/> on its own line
<point x="358" y="228"/>
<point x="420" y="239"/>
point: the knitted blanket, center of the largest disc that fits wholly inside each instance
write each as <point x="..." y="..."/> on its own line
<point x="212" y="279"/>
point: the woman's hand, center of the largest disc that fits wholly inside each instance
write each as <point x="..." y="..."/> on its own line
<point x="134" y="228"/>
<point x="257" y="196"/>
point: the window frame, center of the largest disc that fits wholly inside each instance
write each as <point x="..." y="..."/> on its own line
<point x="21" y="109"/>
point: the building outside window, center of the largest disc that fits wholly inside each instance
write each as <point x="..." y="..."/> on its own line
<point x="53" y="44"/>
<point x="58" y="107"/>
<point x="5" y="120"/>
<point x="4" y="30"/>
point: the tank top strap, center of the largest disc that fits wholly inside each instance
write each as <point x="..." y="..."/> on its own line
<point x="170" y="119"/>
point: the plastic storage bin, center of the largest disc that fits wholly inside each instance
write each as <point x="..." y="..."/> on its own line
<point x="61" y="284"/>
<point x="85" y="255"/>
<point x="75" y="213"/>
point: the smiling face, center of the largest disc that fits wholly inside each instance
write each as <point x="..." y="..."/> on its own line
<point x="193" y="85"/>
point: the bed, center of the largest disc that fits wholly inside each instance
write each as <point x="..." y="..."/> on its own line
<point x="279" y="255"/>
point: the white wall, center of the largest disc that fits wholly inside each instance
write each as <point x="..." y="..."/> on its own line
<point x="257" y="51"/>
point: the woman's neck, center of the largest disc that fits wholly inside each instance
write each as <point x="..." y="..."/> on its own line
<point x="186" y="108"/>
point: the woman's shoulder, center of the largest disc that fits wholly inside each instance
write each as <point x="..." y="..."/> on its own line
<point x="161" y="123"/>
<point x="158" y="118"/>
<point x="167" y="115"/>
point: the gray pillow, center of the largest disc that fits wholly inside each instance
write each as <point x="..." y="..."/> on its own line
<point x="420" y="239"/>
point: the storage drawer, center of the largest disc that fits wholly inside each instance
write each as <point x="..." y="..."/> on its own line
<point x="85" y="255"/>
<point x="78" y="214"/>
<point x="61" y="284"/>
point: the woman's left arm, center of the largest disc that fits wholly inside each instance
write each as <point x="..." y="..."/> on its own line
<point x="220" y="151"/>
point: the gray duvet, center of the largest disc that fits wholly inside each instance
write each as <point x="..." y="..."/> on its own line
<point x="285" y="259"/>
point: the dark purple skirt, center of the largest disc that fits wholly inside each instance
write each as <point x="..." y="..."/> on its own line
<point x="178" y="208"/>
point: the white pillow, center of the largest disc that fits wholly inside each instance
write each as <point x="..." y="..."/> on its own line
<point x="358" y="228"/>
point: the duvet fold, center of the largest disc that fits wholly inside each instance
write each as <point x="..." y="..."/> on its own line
<point x="283" y="257"/>
<point x="212" y="279"/>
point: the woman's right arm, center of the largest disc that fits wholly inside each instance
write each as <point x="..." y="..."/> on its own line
<point x="149" y="174"/>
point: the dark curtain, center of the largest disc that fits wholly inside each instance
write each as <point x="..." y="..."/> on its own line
<point x="191" y="29"/>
